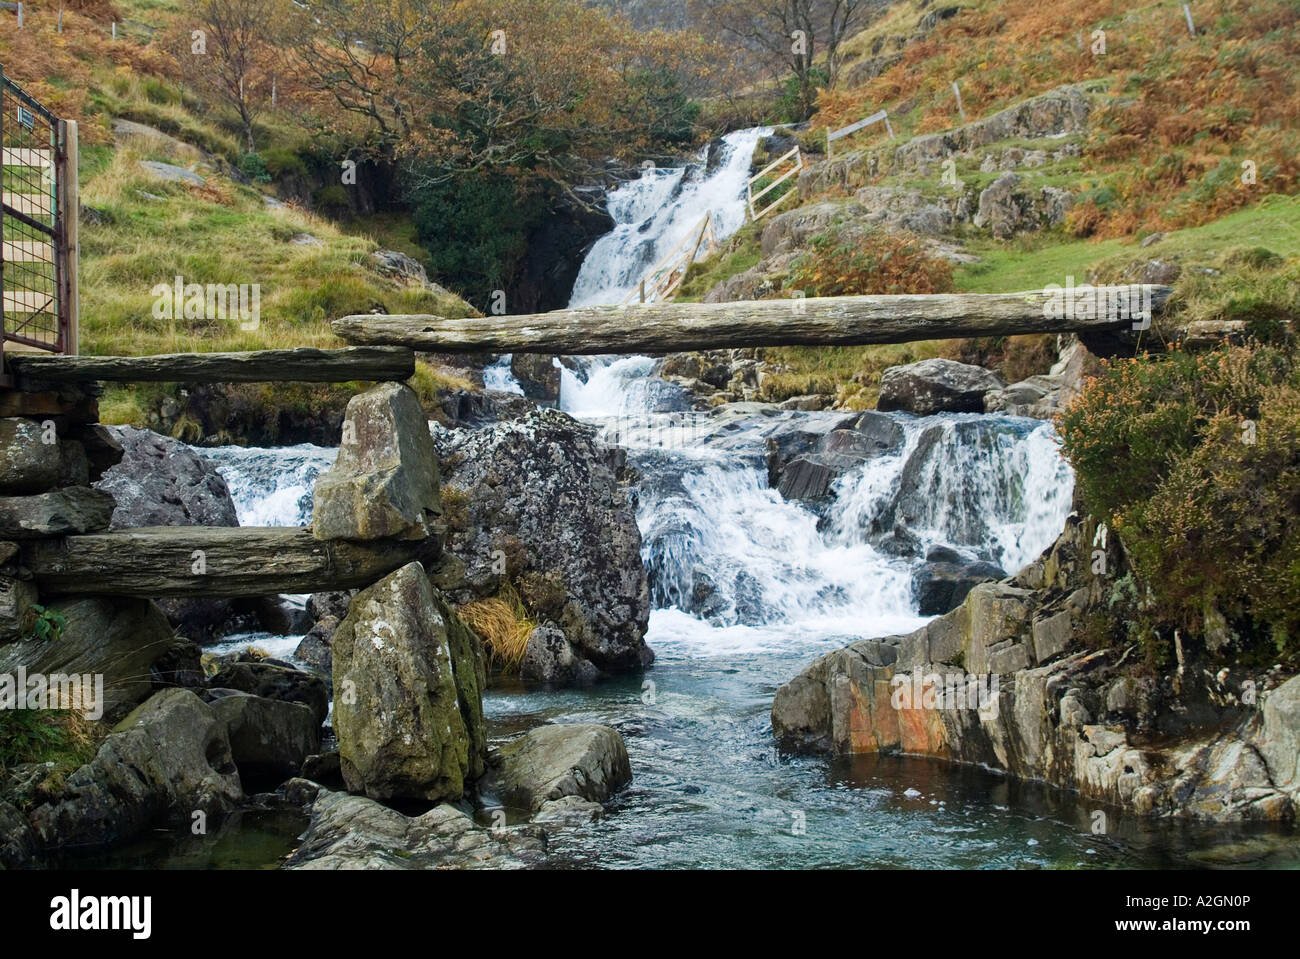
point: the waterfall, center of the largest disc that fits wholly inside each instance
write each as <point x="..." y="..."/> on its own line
<point x="271" y="487"/>
<point x="655" y="212"/>
<point x="652" y="214"/>
<point x="733" y="565"/>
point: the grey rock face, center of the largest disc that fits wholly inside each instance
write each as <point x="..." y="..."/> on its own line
<point x="162" y="482"/>
<point x="541" y="495"/>
<point x="352" y="832"/>
<point x="384" y="483"/>
<point x="936" y="386"/>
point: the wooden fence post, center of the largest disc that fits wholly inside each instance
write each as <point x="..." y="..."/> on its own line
<point x="69" y="207"/>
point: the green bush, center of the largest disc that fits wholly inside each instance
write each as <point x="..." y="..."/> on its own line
<point x="254" y="167"/>
<point x="1195" y="463"/>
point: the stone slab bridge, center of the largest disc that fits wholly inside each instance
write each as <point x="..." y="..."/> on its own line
<point x="378" y="507"/>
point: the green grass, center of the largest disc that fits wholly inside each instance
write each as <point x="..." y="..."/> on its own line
<point x="740" y="252"/>
<point x="224" y="234"/>
<point x="1034" y="260"/>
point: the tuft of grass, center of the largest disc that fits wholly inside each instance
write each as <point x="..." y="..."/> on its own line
<point x="504" y="626"/>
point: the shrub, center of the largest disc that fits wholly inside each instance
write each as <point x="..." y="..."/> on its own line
<point x="254" y="167"/>
<point x="1195" y="462"/>
<point x="843" y="262"/>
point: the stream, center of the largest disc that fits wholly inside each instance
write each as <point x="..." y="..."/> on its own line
<point x="747" y="590"/>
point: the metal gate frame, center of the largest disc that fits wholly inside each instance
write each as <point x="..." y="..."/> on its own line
<point x="38" y="226"/>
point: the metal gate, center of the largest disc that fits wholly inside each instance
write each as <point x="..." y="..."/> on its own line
<point x="38" y="226"/>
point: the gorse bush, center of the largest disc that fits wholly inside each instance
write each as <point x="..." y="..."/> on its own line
<point x="843" y="262"/>
<point x="1195" y="462"/>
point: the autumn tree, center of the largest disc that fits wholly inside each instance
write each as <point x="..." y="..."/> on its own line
<point x="791" y="35"/>
<point x="231" y="51"/>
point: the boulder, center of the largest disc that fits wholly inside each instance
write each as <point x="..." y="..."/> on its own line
<point x="160" y="481"/>
<point x="73" y="509"/>
<point x="542" y="498"/>
<point x="167" y="760"/>
<point x="403" y="728"/>
<point x="316" y="647"/>
<point x="269" y="739"/>
<point x="384" y="483"/>
<point x="551" y="762"/>
<point x="276" y="682"/>
<point x="942" y="582"/>
<point x="120" y="639"/>
<point x="29" y="461"/>
<point x="936" y="386"/>
<point x="550" y="658"/>
<point x="352" y="832"/>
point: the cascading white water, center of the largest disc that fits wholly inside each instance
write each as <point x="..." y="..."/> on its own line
<point x="652" y="214"/>
<point x="272" y="487"/>
<point x="733" y="565"/>
<point x="655" y="212"/>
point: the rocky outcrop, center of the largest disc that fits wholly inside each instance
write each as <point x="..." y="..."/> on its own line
<point x="1009" y="207"/>
<point x="166" y="761"/>
<point x="1057" y="113"/>
<point x="1040" y="397"/>
<point x="352" y="832"/>
<point x="936" y="386"/>
<point x="162" y="482"/>
<point x="407" y="702"/>
<point x="557" y="761"/>
<point x="123" y="640"/>
<point x="540" y="503"/>
<point x="384" y="482"/>
<point x="1007" y="681"/>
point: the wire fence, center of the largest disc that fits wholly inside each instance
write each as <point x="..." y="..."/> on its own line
<point x="37" y="225"/>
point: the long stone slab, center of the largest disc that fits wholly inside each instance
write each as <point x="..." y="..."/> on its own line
<point x="212" y="561"/>
<point x="305" y="365"/>
<point x="814" y="321"/>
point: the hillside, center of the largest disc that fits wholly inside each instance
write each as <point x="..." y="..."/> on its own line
<point x="1166" y="156"/>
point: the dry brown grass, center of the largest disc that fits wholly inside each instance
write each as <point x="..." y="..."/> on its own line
<point x="503" y="624"/>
